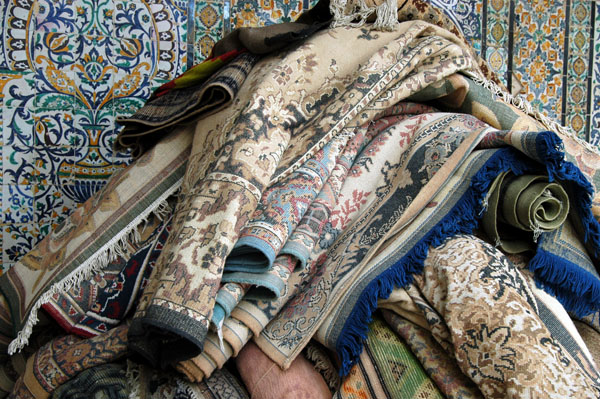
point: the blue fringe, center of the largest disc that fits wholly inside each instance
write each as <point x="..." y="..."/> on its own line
<point x="567" y="282"/>
<point x="463" y="219"/>
<point x="550" y="148"/>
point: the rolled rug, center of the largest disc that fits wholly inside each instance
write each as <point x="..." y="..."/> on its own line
<point x="520" y="208"/>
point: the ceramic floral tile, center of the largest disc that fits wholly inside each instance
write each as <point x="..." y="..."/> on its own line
<point x="18" y="164"/>
<point x="17" y="238"/>
<point x="267" y="12"/>
<point x="575" y="98"/>
<point x="95" y="17"/>
<point x="204" y="44"/>
<point x="497" y="37"/>
<point x="54" y="16"/>
<point x="17" y="203"/>
<point x="53" y="127"/>
<point x="595" y="94"/>
<point x="539" y="35"/>
<point x="72" y="67"/>
<point x="467" y="14"/>
<point x="51" y="204"/>
<point x="208" y="29"/>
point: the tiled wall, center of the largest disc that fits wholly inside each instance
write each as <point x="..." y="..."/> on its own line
<point x="546" y="47"/>
<point x="68" y="68"/>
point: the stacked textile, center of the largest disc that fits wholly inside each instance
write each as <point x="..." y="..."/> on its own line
<point x="351" y="171"/>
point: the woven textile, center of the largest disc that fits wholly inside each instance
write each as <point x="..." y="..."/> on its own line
<point x="386" y="369"/>
<point x="102" y="302"/>
<point x="263" y="138"/>
<point x="591" y="338"/>
<point x="483" y="293"/>
<point x="147" y="383"/>
<point x="439" y="364"/>
<point x="306" y="215"/>
<point x="107" y="381"/>
<point x="520" y="208"/>
<point x="149" y="124"/>
<point x="91" y="237"/>
<point x="64" y="358"/>
<point x="456" y="207"/>
<point x="12" y="367"/>
<point x="385" y="146"/>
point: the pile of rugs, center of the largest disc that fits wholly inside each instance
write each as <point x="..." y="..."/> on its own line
<point x="323" y="209"/>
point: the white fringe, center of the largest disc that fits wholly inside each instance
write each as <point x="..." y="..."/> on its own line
<point x="354" y="13"/>
<point x="524" y="105"/>
<point x="345" y="14"/>
<point x="220" y="336"/>
<point x="133" y="380"/>
<point x="387" y="16"/>
<point x="114" y="248"/>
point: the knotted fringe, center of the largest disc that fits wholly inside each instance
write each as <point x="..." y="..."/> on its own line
<point x="114" y="248"/>
<point x="355" y="13"/>
<point x="462" y="219"/>
<point x="387" y="16"/>
<point x="323" y="365"/>
<point x="522" y="104"/>
<point x="133" y="380"/>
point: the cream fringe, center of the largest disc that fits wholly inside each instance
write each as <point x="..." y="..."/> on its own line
<point x="387" y="16"/>
<point x="323" y="365"/>
<point x="110" y="251"/>
<point x="345" y="14"/>
<point x="355" y="13"/>
<point x="525" y="106"/>
<point x="133" y="380"/>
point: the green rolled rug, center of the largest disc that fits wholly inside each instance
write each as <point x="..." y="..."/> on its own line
<point x="520" y="208"/>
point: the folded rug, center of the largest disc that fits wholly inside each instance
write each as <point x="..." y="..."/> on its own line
<point x="280" y="210"/>
<point x="107" y="381"/>
<point x="101" y="303"/>
<point x="151" y="123"/>
<point x="454" y="209"/>
<point x="229" y="295"/>
<point x="221" y="385"/>
<point x="386" y="369"/>
<point x="64" y="358"/>
<point x="300" y="243"/>
<point x="438" y="363"/>
<point x="92" y="236"/>
<point x="275" y="125"/>
<point x="479" y="293"/>
<point x="591" y="338"/>
<point x="592" y="320"/>
<point x="210" y="86"/>
<point x="518" y="205"/>
<point x="393" y="180"/>
<point x="146" y="383"/>
<point x="195" y="76"/>
<point x="12" y="367"/>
